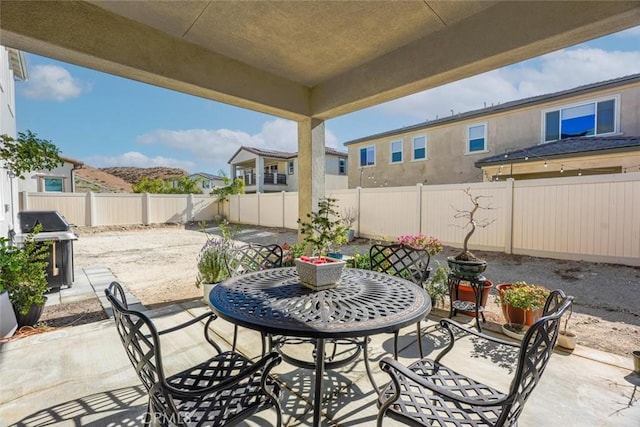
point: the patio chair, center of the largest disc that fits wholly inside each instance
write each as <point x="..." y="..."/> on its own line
<point x="403" y="261"/>
<point x="223" y="390"/>
<point x="252" y="257"/>
<point x="428" y="393"/>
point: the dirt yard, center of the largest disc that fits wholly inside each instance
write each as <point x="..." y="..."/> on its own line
<point x="159" y="266"/>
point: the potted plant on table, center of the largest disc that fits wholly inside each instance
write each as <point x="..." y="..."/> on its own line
<point x="466" y="265"/>
<point x="23" y="274"/>
<point x="323" y="230"/>
<point x="521" y="304"/>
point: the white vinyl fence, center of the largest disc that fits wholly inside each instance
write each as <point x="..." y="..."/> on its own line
<point x="593" y="218"/>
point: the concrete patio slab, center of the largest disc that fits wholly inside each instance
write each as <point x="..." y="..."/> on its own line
<point x="80" y="376"/>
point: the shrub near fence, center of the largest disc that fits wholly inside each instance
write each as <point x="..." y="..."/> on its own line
<point x="593" y="218"/>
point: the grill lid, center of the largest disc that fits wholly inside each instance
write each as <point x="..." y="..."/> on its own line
<point x="50" y="220"/>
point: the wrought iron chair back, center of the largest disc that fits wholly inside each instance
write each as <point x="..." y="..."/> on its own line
<point x="427" y="392"/>
<point x="535" y="351"/>
<point x="253" y="257"/>
<point x="401" y="260"/>
<point x="140" y="339"/>
<point x="222" y="390"/>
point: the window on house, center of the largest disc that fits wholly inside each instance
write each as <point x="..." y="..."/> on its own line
<point x="53" y="185"/>
<point x="290" y="167"/>
<point x="476" y="138"/>
<point x="368" y="156"/>
<point x="396" y="151"/>
<point x="419" y="147"/>
<point x="342" y="166"/>
<point x="594" y="118"/>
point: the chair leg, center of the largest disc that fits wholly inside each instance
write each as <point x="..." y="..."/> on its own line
<point x="419" y="335"/>
<point x="395" y="344"/>
<point x="365" y="347"/>
<point x="235" y="338"/>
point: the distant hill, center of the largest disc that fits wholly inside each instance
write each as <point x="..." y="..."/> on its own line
<point x="134" y="175"/>
<point x="98" y="181"/>
<point x="119" y="179"/>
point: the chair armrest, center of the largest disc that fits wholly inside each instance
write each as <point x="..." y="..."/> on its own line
<point x="193" y="321"/>
<point x="265" y="364"/>
<point x="446" y="323"/>
<point x="449" y="324"/>
<point x="396" y="370"/>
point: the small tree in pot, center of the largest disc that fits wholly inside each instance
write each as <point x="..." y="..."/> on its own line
<point x="466" y="264"/>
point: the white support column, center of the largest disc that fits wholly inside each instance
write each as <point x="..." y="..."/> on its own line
<point x="190" y="207"/>
<point x="311" y="166"/>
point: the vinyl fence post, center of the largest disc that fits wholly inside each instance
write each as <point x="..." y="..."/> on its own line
<point x="91" y="211"/>
<point x="283" y="206"/>
<point x="508" y="235"/>
<point x="419" y="206"/>
<point x="358" y="210"/>
<point x="146" y="208"/>
<point x="190" y="207"/>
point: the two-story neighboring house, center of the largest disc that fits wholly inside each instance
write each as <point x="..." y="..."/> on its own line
<point x="586" y="130"/>
<point x="207" y="181"/>
<point x="267" y="171"/>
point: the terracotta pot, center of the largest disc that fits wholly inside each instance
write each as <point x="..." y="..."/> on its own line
<point x="465" y="293"/>
<point x="517" y="315"/>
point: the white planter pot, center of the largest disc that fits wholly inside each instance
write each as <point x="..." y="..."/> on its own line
<point x="567" y="340"/>
<point x="8" y="322"/>
<point x="206" y="288"/>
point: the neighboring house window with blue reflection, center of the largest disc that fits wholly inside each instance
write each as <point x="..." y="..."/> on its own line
<point x="588" y="119"/>
<point x="54" y="185"/>
<point x="342" y="166"/>
<point x="396" y="151"/>
<point x="477" y="138"/>
<point x="368" y="156"/>
<point x="419" y="147"/>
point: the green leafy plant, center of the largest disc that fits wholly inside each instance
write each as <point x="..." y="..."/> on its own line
<point x="28" y="153"/>
<point x="524" y="296"/>
<point x="324" y="228"/>
<point x="291" y="252"/>
<point x="178" y="185"/>
<point x="437" y="286"/>
<point x="231" y="186"/>
<point x="212" y="267"/>
<point x="23" y="271"/>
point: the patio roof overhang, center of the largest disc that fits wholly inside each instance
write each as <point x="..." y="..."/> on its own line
<point x="303" y="59"/>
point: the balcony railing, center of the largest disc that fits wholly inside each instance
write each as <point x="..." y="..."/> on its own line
<point x="268" y="178"/>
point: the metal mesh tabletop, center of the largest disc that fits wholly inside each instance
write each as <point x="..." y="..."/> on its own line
<point x="364" y="303"/>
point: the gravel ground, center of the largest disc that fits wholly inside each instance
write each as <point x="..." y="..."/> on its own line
<point x="159" y="266"/>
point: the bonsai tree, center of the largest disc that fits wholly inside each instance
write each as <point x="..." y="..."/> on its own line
<point x="324" y="228"/>
<point x="472" y="222"/>
<point x="28" y="153"/>
<point x="23" y="271"/>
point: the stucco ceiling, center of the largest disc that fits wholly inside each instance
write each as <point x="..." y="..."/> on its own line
<point x="297" y="59"/>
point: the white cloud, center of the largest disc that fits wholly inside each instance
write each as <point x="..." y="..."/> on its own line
<point x="212" y="148"/>
<point x="52" y="83"/>
<point x="136" y="159"/>
<point x="564" y="69"/>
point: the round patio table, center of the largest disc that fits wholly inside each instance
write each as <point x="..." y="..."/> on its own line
<point x="364" y="303"/>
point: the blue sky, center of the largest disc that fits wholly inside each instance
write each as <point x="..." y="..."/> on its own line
<point x="105" y="121"/>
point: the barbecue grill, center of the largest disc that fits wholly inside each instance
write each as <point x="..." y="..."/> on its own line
<point x="57" y="230"/>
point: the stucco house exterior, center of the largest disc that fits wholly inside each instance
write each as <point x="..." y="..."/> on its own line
<point x="58" y="180"/>
<point x="266" y="171"/>
<point x="13" y="67"/>
<point x="586" y="130"/>
<point x="207" y="181"/>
